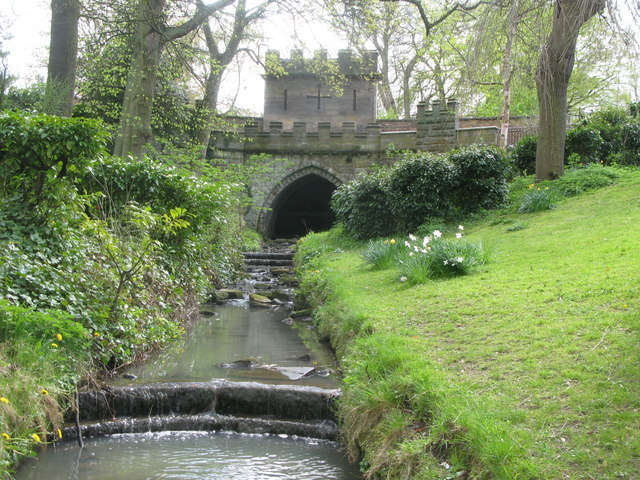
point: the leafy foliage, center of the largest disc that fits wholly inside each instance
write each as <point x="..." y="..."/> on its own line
<point x="363" y="206"/>
<point x="422" y="185"/>
<point x="481" y="172"/>
<point x="586" y="142"/>
<point x="523" y="155"/>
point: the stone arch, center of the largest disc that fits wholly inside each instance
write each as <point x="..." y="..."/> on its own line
<point x="302" y="181"/>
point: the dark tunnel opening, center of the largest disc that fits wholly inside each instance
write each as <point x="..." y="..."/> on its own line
<point x="302" y="207"/>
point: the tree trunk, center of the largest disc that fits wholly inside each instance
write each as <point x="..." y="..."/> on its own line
<point x="507" y="72"/>
<point x="209" y="108"/>
<point x="134" y="129"/>
<point x="63" y="52"/>
<point x="555" y="65"/>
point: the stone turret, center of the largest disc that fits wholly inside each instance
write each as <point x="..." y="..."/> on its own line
<point x="320" y="89"/>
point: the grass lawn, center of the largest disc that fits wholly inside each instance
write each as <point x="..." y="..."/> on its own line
<point x="539" y="348"/>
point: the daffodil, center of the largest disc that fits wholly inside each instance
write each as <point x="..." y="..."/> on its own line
<point x="437" y="233"/>
<point x="36" y="437"/>
<point x="393" y="241"/>
<point x="4" y="400"/>
<point x="458" y="235"/>
<point x="59" y="337"/>
<point x="460" y="227"/>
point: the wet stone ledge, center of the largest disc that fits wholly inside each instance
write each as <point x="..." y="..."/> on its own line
<point x="281" y="402"/>
<point x="323" y="429"/>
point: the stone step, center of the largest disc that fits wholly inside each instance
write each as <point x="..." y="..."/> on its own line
<point x="269" y="262"/>
<point x="269" y="255"/>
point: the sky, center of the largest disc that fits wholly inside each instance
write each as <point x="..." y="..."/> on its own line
<point x="27" y="21"/>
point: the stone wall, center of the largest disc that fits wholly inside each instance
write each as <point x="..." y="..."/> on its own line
<point x="436" y="127"/>
<point x="295" y="92"/>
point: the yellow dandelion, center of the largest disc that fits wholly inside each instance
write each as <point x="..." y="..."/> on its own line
<point x="6" y="436"/>
<point x="59" y="433"/>
<point x="59" y="337"/>
<point x="44" y="392"/>
<point x="625" y="306"/>
<point x="54" y="345"/>
<point x="4" y="400"/>
<point x="36" y="437"/>
<point x="96" y="334"/>
<point x="393" y="240"/>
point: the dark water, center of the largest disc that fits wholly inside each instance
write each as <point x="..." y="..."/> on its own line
<point x="192" y="455"/>
<point x="276" y="351"/>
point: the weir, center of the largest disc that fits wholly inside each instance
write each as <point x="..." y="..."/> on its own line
<point x="243" y="380"/>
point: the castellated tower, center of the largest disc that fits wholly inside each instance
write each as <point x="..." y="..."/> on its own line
<point x="320" y="89"/>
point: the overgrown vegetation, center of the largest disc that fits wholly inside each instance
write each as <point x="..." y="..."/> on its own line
<point x="526" y="369"/>
<point x="101" y="260"/>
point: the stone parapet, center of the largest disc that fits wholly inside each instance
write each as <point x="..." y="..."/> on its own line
<point x="327" y="137"/>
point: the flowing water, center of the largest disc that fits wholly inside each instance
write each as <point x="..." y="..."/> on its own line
<point x="241" y="343"/>
<point x="192" y="455"/>
<point x="237" y="343"/>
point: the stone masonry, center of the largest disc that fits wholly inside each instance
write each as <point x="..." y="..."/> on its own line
<point x="323" y="126"/>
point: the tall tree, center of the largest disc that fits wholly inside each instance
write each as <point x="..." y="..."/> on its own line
<point x="222" y="47"/>
<point x="555" y="65"/>
<point x="63" y="52"/>
<point x="152" y="34"/>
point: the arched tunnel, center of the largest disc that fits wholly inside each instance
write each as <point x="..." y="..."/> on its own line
<point x="302" y="207"/>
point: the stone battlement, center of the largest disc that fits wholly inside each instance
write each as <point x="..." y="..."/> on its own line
<point x="347" y="64"/>
<point x="327" y="137"/>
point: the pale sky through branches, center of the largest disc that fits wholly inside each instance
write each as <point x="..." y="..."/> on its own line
<point x="27" y="23"/>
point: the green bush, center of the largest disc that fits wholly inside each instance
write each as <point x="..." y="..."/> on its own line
<point x="482" y="172"/>
<point x="363" y="206"/>
<point x="631" y="143"/>
<point x="586" y="142"/>
<point x="422" y="185"/>
<point x="523" y="155"/>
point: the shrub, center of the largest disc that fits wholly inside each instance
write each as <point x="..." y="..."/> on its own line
<point x="482" y="172"/>
<point x="363" y="206"/>
<point x="523" y="155"/>
<point x="538" y="199"/>
<point x="631" y="143"/>
<point x="422" y="185"/>
<point x="586" y="142"/>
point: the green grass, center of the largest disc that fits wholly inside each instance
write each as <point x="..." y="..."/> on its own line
<point x="42" y="355"/>
<point x="532" y="363"/>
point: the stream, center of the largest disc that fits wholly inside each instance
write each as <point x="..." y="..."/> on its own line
<point x="246" y="394"/>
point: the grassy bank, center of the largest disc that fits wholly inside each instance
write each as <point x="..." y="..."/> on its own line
<point x="526" y="369"/>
